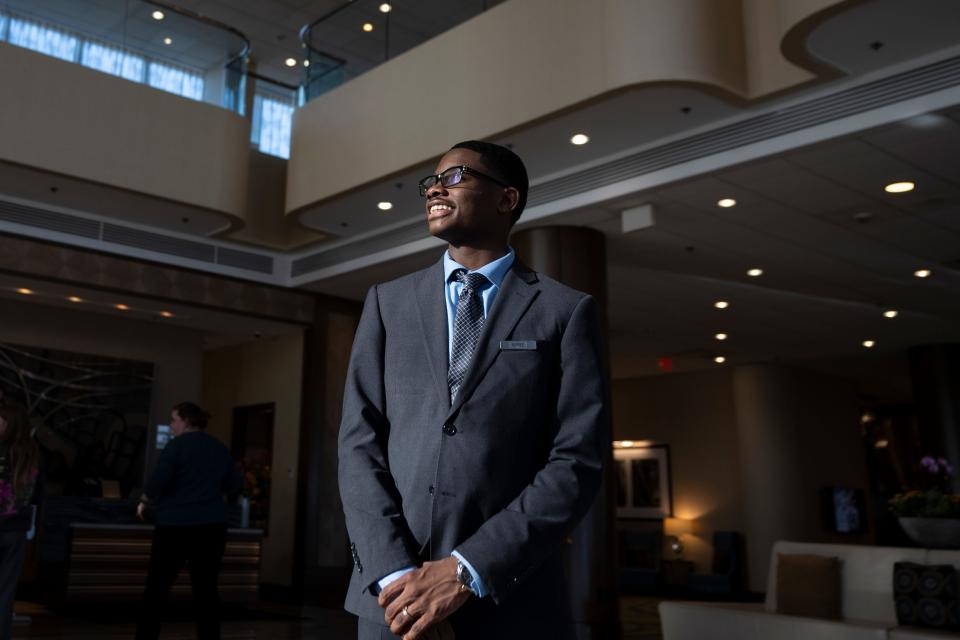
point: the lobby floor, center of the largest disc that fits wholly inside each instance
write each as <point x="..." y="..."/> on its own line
<point x="268" y="622"/>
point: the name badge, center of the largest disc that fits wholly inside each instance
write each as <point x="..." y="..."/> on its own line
<point x="518" y="345"/>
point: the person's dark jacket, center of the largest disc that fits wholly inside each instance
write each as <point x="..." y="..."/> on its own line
<point x="187" y="486"/>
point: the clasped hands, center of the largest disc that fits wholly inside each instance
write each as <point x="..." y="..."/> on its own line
<point x="417" y="604"/>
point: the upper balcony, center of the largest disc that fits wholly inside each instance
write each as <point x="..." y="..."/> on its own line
<point x="134" y="111"/>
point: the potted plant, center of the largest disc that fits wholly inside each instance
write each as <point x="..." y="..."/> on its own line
<point x="930" y="515"/>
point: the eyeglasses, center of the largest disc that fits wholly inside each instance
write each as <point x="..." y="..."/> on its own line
<point x="453" y="176"/>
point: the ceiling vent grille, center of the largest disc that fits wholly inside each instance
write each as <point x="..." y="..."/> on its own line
<point x="911" y="84"/>
<point x="416" y="229"/>
<point x="48" y="220"/>
<point x="158" y="243"/>
<point x="244" y="260"/>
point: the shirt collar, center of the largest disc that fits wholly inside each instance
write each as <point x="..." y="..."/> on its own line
<point x="494" y="271"/>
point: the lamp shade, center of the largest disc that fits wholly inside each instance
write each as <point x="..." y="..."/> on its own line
<point x="677" y="526"/>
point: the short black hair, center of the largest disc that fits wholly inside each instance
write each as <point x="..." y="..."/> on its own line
<point x="505" y="165"/>
<point x="193" y="414"/>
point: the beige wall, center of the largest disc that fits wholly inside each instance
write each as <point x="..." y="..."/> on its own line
<point x="65" y="118"/>
<point x="550" y="55"/>
<point x="751" y="448"/>
<point x="693" y="413"/>
<point x="265" y="222"/>
<point x="257" y="373"/>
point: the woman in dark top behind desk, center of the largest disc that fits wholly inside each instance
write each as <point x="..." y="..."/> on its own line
<point x="185" y="493"/>
<point x="20" y="492"/>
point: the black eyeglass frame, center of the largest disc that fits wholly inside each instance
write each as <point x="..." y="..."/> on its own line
<point x="426" y="183"/>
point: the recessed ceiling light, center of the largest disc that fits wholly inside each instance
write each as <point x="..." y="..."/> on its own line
<point x="726" y="203"/>
<point x="869" y="344"/>
<point x="899" y="187"/>
<point x="290" y="62"/>
<point x="721" y="336"/>
<point x="75" y="299"/>
<point x="367" y="27"/>
<point x="166" y="314"/>
<point x="890" y="313"/>
<point x="719" y="359"/>
<point x="306" y="63"/>
<point x="385" y="8"/>
<point x="121" y="307"/>
<point x="922" y="273"/>
<point x="158" y="15"/>
<point x="580" y="139"/>
<point x="755" y="273"/>
<point x="384" y="206"/>
<point x="25" y="291"/>
<point x="168" y="40"/>
<point x="721" y="304"/>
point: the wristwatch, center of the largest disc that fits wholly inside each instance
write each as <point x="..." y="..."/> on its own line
<point x="464" y="578"/>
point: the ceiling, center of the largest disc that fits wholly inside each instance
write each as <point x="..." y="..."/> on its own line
<point x="836" y="251"/>
<point x="216" y="328"/>
<point x="272" y="26"/>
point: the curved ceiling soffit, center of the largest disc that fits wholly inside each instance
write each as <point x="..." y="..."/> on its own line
<point x="792" y="46"/>
<point x="232" y="221"/>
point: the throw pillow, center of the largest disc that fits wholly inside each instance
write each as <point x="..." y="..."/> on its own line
<point x="808" y="585"/>
<point x="926" y="595"/>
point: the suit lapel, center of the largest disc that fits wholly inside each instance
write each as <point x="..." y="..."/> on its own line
<point x="432" y="309"/>
<point x="512" y="302"/>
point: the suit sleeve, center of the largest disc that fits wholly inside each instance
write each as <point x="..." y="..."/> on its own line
<point x="381" y="541"/>
<point x="515" y="541"/>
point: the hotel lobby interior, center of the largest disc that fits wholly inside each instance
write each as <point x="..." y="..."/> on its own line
<point x="762" y="195"/>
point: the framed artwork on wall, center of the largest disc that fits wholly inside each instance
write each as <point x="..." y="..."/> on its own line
<point x="643" y="481"/>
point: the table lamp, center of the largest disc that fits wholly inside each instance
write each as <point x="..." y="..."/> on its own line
<point x="675" y="528"/>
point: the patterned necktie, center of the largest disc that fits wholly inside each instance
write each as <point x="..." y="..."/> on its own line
<point x="467" y="324"/>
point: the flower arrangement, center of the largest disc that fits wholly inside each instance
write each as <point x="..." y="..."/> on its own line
<point x="934" y="499"/>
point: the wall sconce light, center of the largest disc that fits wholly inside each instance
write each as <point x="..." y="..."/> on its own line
<point x="674" y="528"/>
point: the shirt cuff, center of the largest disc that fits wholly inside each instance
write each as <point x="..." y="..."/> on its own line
<point x="476" y="583"/>
<point x="392" y="577"/>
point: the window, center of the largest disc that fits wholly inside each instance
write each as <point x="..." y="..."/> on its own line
<point x="174" y="80"/>
<point x="53" y="42"/>
<point x="112" y="61"/>
<point x="272" y="123"/>
<point x="3" y="27"/>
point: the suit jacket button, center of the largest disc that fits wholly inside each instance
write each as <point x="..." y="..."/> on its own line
<point x="430" y="489"/>
<point x="449" y="429"/>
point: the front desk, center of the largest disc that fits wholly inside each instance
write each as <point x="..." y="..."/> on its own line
<point x="108" y="563"/>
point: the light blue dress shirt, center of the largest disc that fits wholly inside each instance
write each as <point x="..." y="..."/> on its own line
<point x="495" y="272"/>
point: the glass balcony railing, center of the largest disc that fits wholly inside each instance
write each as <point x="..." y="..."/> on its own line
<point x="362" y="34"/>
<point x="145" y="41"/>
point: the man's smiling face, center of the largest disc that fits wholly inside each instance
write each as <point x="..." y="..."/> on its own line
<point x="473" y="211"/>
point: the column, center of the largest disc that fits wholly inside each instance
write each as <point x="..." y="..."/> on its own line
<point x="935" y="373"/>
<point x="576" y="256"/>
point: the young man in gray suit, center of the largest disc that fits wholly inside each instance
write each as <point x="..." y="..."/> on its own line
<point x="474" y="426"/>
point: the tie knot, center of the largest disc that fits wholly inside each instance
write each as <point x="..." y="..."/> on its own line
<point x="470" y="281"/>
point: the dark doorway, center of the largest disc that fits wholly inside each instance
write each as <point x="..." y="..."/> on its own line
<point x="252" y="447"/>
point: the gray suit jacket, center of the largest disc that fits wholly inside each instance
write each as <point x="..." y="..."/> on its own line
<point x="504" y="473"/>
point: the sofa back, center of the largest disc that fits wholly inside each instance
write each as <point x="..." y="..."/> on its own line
<point x="866" y="575"/>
